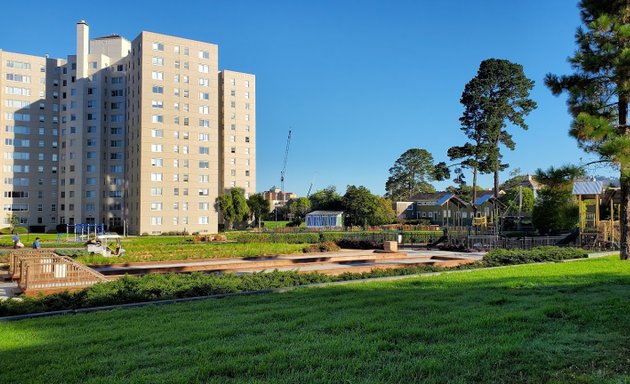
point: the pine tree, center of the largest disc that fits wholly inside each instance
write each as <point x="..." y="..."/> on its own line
<point x="496" y="96"/>
<point x="599" y="92"/>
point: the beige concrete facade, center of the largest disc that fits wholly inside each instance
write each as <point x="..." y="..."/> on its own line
<point x="29" y="121"/>
<point x="237" y="95"/>
<point x="127" y="133"/>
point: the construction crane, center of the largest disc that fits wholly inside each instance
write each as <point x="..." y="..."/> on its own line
<point x="284" y="164"/>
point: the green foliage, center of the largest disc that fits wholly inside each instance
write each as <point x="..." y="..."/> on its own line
<point x="298" y="208"/>
<point x="555" y="209"/>
<point x="327" y="246"/>
<point x="561" y="178"/>
<point x="554" y="212"/>
<point x="359" y="244"/>
<point x="499" y="257"/>
<point x="412" y="174"/>
<point x="132" y="289"/>
<point x="233" y="207"/>
<point x="326" y="199"/>
<point x="259" y="207"/>
<point x="496" y="96"/>
<point x="599" y="91"/>
<point x="511" y="199"/>
<point x="362" y="208"/>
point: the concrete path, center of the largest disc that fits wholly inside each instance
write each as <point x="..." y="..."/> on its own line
<point x="8" y="289"/>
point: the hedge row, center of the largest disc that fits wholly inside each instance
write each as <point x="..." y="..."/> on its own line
<point x="312" y="237"/>
<point x="499" y="257"/>
<point x="137" y="289"/>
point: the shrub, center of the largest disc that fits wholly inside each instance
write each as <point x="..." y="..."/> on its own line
<point x="359" y="244"/>
<point x="327" y="246"/>
<point x="131" y="289"/>
<point x="535" y="255"/>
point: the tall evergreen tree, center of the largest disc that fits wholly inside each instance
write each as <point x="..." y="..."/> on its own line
<point x="599" y="92"/>
<point x="496" y="96"/>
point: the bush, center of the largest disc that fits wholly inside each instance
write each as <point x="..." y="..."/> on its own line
<point x="359" y="244"/>
<point x="327" y="246"/>
<point x="131" y="289"/>
<point x="535" y="255"/>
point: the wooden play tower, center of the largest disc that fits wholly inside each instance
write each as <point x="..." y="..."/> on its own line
<point x="598" y="215"/>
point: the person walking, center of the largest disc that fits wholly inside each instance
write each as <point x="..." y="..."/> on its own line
<point x="36" y="243"/>
<point x="16" y="240"/>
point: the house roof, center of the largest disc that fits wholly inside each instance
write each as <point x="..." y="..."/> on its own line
<point x="488" y="197"/>
<point x="588" y="187"/>
<point x="440" y="198"/>
<point x="325" y="213"/>
<point x="482" y="199"/>
<point x="428" y="196"/>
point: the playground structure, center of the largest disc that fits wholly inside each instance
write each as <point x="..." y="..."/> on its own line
<point x="599" y="213"/>
<point x="83" y="232"/>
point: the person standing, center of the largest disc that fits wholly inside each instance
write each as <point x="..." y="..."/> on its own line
<point x="16" y="240"/>
<point x="36" y="243"/>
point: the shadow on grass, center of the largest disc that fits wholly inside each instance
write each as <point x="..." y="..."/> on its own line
<point x="555" y="323"/>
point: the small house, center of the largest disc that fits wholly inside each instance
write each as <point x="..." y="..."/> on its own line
<point x="324" y="219"/>
<point x="441" y="208"/>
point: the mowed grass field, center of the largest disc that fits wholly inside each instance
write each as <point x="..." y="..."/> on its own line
<point x="560" y="323"/>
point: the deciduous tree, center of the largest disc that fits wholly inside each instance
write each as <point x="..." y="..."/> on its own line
<point x="326" y="199"/>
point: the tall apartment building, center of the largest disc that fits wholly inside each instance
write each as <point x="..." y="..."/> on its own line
<point x="144" y="133"/>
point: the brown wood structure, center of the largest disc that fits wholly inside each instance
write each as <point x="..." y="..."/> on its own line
<point x="596" y="230"/>
<point x="46" y="272"/>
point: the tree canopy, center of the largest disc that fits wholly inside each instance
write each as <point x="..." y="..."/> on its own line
<point x="599" y="92"/>
<point x="363" y="208"/>
<point x="326" y="199"/>
<point x="412" y="174"/>
<point x="259" y="207"/>
<point x="496" y="96"/>
<point x="233" y="207"/>
<point x="555" y="209"/>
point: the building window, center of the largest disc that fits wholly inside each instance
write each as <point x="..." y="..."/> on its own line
<point x="158" y="46"/>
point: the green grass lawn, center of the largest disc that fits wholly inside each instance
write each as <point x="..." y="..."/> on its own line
<point x="561" y="323"/>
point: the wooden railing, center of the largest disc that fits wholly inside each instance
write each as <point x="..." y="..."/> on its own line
<point x="16" y="257"/>
<point x="37" y="271"/>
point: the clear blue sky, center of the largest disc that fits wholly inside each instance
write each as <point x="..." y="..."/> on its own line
<point x="359" y="82"/>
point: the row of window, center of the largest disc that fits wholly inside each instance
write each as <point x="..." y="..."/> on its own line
<point x="18" y="77"/>
<point x="157" y="220"/>
<point x="18" y="129"/>
<point x="203" y="54"/>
